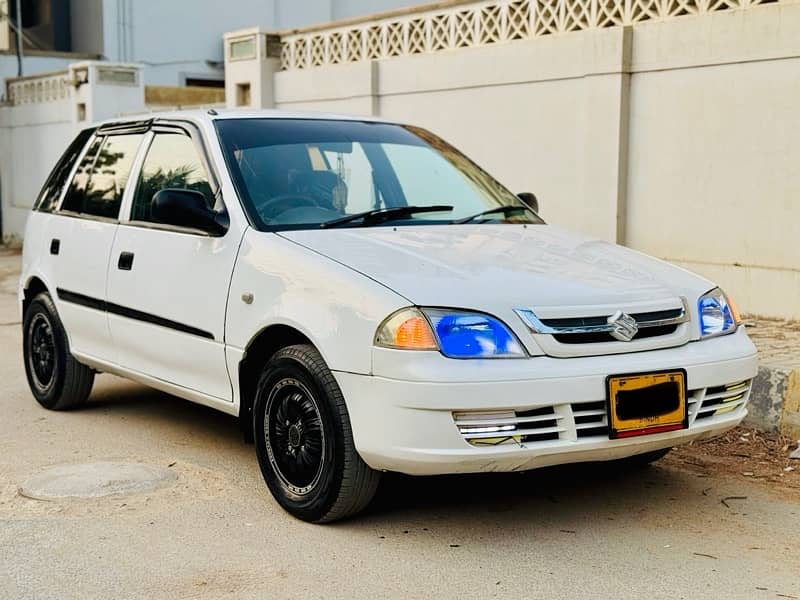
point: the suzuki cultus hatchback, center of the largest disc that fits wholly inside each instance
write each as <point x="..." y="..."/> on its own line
<point x="365" y="298"/>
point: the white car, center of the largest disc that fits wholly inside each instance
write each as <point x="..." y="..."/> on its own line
<point x="365" y="298"/>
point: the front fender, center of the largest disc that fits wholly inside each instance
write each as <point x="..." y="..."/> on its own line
<point x="335" y="307"/>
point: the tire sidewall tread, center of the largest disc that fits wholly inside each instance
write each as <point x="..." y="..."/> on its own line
<point x="347" y="484"/>
<point x="73" y="380"/>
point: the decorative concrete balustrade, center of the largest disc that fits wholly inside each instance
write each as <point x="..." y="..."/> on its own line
<point x="459" y="24"/>
<point x="67" y="84"/>
<point x="47" y="87"/>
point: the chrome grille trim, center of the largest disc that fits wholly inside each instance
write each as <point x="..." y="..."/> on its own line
<point x="588" y="413"/>
<point x="494" y="425"/>
<point x="501" y="421"/>
<point x="537" y="325"/>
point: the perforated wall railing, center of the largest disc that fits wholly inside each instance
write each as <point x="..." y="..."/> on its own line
<point x="480" y="24"/>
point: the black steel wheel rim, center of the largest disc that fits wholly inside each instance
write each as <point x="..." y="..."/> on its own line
<point x="294" y="435"/>
<point x="41" y="351"/>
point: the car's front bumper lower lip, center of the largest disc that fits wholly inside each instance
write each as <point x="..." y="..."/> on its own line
<point x="408" y="426"/>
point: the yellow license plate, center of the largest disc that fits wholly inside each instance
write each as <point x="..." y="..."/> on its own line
<point x="646" y="403"/>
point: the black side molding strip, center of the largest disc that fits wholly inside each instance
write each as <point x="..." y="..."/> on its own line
<point x="86" y="301"/>
<point x="130" y="313"/>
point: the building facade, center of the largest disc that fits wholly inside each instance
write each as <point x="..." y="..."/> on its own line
<point x="179" y="42"/>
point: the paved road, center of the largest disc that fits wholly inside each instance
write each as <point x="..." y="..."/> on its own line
<point x="585" y="532"/>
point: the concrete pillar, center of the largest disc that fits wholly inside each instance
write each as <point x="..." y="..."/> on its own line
<point x="606" y="123"/>
<point x="103" y="90"/>
<point x="5" y="29"/>
<point x="252" y="57"/>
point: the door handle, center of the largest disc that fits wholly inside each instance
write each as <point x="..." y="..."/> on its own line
<point x="55" y="246"/>
<point x="125" y="262"/>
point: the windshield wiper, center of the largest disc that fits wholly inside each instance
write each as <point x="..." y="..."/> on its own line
<point x="506" y="210"/>
<point x="379" y="215"/>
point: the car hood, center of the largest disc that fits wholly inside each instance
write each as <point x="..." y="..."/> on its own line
<point x="494" y="267"/>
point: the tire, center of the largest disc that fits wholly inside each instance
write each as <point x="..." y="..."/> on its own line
<point x="56" y="379"/>
<point x="304" y="442"/>
<point x="645" y="459"/>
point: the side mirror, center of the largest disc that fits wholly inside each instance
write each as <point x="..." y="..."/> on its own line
<point x="530" y="199"/>
<point x="187" y="208"/>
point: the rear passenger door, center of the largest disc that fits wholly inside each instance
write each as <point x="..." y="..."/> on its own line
<point x="168" y="285"/>
<point x="80" y="235"/>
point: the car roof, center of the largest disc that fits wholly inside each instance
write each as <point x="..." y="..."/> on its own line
<point x="214" y="114"/>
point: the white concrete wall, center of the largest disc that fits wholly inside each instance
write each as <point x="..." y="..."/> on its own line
<point x="715" y="153"/>
<point x="31" y="141"/>
<point x="678" y="138"/>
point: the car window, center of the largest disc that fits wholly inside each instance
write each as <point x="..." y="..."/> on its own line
<point x="73" y="200"/>
<point x="355" y="181"/>
<point x="300" y="173"/>
<point x="172" y="161"/>
<point x="100" y="179"/>
<point x="436" y="182"/>
<point x="51" y="191"/>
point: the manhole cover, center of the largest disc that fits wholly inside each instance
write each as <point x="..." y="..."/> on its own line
<point x="94" y="480"/>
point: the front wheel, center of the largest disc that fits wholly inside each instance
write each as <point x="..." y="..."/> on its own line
<point x="304" y="442"/>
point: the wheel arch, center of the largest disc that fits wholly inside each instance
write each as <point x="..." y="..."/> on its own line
<point x="258" y="351"/>
<point x="33" y="287"/>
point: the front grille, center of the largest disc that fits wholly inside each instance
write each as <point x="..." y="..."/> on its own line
<point x="720" y="400"/>
<point x="594" y="330"/>
<point x="577" y="322"/>
<point x="544" y="430"/>
<point x="485" y="428"/>
<point x="600" y="336"/>
<point x="577" y="421"/>
<point x="591" y="418"/>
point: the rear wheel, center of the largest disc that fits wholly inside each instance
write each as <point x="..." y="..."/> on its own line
<point x="56" y="379"/>
<point x="303" y="439"/>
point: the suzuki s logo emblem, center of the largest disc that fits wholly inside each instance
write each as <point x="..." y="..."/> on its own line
<point x="623" y="327"/>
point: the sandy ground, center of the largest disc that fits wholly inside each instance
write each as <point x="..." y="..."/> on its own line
<point x="694" y="526"/>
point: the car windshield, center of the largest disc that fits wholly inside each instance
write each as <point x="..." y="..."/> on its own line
<point x="311" y="173"/>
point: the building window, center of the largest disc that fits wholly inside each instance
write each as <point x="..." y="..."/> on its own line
<point x="242" y="49"/>
<point x="242" y="94"/>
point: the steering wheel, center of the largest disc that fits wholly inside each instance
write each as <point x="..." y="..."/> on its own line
<point x="270" y="208"/>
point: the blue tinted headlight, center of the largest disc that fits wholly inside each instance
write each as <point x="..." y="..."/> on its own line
<point x="473" y="335"/>
<point x="717" y="315"/>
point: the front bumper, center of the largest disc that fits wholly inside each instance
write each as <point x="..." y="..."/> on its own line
<point x="407" y="424"/>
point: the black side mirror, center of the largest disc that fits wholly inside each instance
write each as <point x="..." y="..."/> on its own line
<point x="530" y="199"/>
<point x="187" y="208"/>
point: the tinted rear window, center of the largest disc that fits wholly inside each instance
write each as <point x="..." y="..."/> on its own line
<point x="51" y="192"/>
<point x="101" y="178"/>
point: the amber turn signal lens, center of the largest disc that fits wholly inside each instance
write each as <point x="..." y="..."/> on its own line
<point x="737" y="318"/>
<point x="406" y="329"/>
<point x="415" y="334"/>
